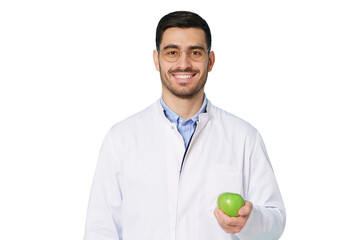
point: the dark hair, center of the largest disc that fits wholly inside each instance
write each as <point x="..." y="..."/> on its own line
<point x="182" y="19"/>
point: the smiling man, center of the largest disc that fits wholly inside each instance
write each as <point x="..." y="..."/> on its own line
<point x="183" y="62"/>
<point x="160" y="171"/>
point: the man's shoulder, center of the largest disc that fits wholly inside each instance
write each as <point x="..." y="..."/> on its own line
<point x="229" y="120"/>
<point x="139" y="119"/>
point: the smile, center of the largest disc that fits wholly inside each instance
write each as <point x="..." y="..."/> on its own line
<point x="183" y="76"/>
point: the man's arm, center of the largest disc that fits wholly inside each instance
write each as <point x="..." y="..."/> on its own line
<point x="264" y="224"/>
<point x="263" y="216"/>
<point x="103" y="217"/>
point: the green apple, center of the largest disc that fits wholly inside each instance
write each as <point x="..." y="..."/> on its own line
<point x="230" y="203"/>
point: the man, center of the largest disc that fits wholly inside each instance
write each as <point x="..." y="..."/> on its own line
<point x="160" y="171"/>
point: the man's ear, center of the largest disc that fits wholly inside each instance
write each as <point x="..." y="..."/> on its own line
<point x="156" y="60"/>
<point x="211" y="60"/>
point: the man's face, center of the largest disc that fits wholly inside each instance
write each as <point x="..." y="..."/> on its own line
<point x="184" y="77"/>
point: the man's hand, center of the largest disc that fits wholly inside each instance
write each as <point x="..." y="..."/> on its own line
<point x="234" y="224"/>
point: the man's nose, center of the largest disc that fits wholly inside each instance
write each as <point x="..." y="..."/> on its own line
<point x="184" y="61"/>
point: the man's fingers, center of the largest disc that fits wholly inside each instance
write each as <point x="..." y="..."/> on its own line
<point x="246" y="209"/>
<point x="231" y="224"/>
<point x="223" y="218"/>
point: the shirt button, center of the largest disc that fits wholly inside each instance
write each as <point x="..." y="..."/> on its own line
<point x="172" y="127"/>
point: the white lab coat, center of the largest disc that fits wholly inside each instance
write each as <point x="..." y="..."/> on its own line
<point x="139" y="193"/>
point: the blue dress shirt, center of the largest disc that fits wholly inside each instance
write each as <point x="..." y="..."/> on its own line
<point x="185" y="127"/>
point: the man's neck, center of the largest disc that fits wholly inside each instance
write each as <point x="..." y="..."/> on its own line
<point x="184" y="107"/>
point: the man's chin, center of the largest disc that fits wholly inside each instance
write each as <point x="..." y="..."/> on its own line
<point x="185" y="94"/>
<point x="182" y="90"/>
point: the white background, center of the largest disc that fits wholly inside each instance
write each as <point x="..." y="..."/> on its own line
<point x="71" y="69"/>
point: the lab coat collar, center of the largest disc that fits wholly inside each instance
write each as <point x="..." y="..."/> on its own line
<point x="203" y="117"/>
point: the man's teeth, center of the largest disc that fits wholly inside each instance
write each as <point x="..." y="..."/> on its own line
<point x="183" y="76"/>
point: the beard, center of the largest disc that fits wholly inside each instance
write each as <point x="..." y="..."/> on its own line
<point x="183" y="91"/>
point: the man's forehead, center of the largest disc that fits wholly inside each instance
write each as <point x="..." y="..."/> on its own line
<point x="183" y="37"/>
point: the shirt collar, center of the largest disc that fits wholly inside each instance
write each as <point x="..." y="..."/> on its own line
<point x="173" y="117"/>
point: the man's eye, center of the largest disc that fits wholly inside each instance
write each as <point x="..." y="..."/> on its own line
<point x="171" y="52"/>
<point x="197" y="53"/>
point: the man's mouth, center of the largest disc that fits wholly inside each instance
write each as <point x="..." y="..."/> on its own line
<point x="183" y="76"/>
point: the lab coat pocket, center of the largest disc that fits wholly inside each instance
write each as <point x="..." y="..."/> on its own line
<point x="219" y="179"/>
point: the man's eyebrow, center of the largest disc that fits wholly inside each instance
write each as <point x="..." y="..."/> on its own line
<point x="197" y="47"/>
<point x="171" y="46"/>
